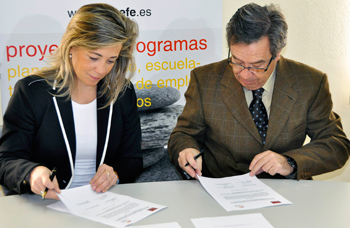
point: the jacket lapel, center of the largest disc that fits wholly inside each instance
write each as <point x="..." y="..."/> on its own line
<point x="102" y="122"/>
<point x="283" y="101"/>
<point x="66" y="111"/>
<point x="234" y="98"/>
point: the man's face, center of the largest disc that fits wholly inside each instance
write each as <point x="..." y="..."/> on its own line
<point x="253" y="55"/>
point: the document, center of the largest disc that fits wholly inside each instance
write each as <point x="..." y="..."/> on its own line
<point x="108" y="208"/>
<point x="160" y="225"/>
<point x="242" y="221"/>
<point x="241" y="192"/>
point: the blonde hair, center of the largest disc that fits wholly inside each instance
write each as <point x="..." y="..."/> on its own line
<point x="94" y="26"/>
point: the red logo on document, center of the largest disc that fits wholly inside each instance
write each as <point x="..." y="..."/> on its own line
<point x="152" y="209"/>
<point x="275" y="202"/>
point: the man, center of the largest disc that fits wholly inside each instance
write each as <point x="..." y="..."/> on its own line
<point x="252" y="111"/>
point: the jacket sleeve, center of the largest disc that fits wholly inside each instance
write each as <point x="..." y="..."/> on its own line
<point x="329" y="147"/>
<point x="129" y="163"/>
<point x="16" y="140"/>
<point x="190" y="128"/>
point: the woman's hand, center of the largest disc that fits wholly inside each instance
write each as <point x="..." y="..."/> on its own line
<point x="104" y="179"/>
<point x="40" y="180"/>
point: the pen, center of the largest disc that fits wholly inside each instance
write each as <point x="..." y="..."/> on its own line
<point x="53" y="174"/>
<point x="195" y="157"/>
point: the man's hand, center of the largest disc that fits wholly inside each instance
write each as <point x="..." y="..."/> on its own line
<point x="195" y="166"/>
<point x="270" y="162"/>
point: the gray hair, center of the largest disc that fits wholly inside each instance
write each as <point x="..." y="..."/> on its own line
<point x="251" y="22"/>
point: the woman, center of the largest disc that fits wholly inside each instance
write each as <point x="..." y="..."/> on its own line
<point x="79" y="115"/>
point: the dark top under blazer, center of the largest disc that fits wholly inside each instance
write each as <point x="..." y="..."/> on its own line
<point x="216" y="118"/>
<point x="32" y="135"/>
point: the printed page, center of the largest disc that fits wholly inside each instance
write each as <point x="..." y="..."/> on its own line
<point x="241" y="192"/>
<point x="242" y="221"/>
<point x="108" y="208"/>
<point x="160" y="225"/>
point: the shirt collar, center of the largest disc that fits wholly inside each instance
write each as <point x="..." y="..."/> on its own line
<point x="270" y="82"/>
<point x="268" y="86"/>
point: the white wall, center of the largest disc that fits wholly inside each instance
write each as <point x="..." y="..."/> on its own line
<point x="318" y="35"/>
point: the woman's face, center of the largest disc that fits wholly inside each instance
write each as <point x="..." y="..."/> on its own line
<point x="90" y="66"/>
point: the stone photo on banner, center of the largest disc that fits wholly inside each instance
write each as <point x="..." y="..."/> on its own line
<point x="158" y="116"/>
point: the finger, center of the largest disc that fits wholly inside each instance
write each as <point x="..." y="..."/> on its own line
<point x="188" y="169"/>
<point x="53" y="188"/>
<point x="49" y="184"/>
<point x="103" y="181"/>
<point x="188" y="163"/>
<point x="199" y="165"/>
<point x="102" y="170"/>
<point x="52" y="195"/>
<point x="257" y="168"/>
<point x="39" y="191"/>
<point x="104" y="186"/>
<point x="258" y="162"/>
<point x="256" y="159"/>
<point x="36" y="183"/>
<point x="182" y="160"/>
<point x="99" y="172"/>
<point x="269" y="163"/>
<point x="38" y="188"/>
<point x="56" y="188"/>
<point x="106" y="174"/>
<point x="194" y="172"/>
<point x="187" y="156"/>
<point x="276" y="168"/>
<point x="259" y="171"/>
<point x="268" y="167"/>
<point x="96" y="186"/>
<point x="191" y="161"/>
<point x="113" y="182"/>
<point x="272" y="171"/>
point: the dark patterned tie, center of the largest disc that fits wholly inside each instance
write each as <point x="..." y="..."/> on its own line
<point x="259" y="114"/>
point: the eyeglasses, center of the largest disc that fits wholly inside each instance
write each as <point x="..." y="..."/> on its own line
<point x="239" y="67"/>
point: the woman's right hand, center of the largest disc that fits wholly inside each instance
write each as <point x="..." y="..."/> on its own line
<point x="40" y="179"/>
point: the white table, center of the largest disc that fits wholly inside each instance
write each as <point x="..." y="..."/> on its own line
<point x="315" y="204"/>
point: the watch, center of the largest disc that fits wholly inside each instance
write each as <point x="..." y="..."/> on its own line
<point x="292" y="163"/>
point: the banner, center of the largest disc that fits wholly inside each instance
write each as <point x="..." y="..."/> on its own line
<point x="175" y="37"/>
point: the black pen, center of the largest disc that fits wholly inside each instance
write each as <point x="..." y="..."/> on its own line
<point x="53" y="174"/>
<point x="195" y="157"/>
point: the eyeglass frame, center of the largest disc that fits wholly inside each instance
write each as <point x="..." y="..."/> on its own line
<point x="248" y="68"/>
